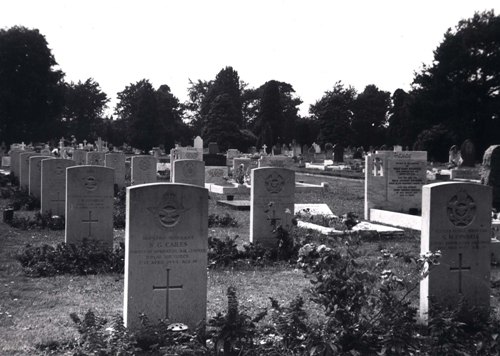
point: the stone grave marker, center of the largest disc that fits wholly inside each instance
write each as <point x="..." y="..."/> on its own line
<point x="184" y="153"/>
<point x="143" y="170"/>
<point x="116" y="160"/>
<point x="53" y="185"/>
<point x="247" y="163"/>
<point x="24" y="169"/>
<point x="213" y="148"/>
<point x="189" y="171"/>
<point x="490" y="174"/>
<point x="198" y="143"/>
<point x="271" y="203"/>
<point x="95" y="158"/>
<point x="14" y="161"/>
<point x="166" y="241"/>
<point x="231" y="155"/>
<point x="6" y="161"/>
<point x="275" y="161"/>
<point x="215" y="175"/>
<point x="338" y="153"/>
<point x="468" y="153"/>
<point x="80" y="157"/>
<point x="456" y="220"/>
<point x="89" y="204"/>
<point x="35" y="175"/>
<point x="394" y="180"/>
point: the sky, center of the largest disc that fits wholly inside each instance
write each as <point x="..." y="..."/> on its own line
<point x="309" y="44"/>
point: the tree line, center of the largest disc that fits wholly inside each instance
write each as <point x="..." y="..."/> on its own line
<point x="455" y="97"/>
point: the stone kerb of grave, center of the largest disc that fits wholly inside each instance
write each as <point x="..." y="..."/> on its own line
<point x="53" y="185"/>
<point x="166" y="241"/>
<point x="95" y="158"/>
<point x="275" y="161"/>
<point x="394" y="180"/>
<point x="143" y="170"/>
<point x="456" y="220"/>
<point x="24" y="168"/>
<point x="89" y="204"/>
<point x="271" y="203"/>
<point x="189" y="171"/>
<point x="35" y="175"/>
<point x="490" y="174"/>
<point x="116" y="160"/>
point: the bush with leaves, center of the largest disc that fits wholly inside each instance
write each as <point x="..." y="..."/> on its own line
<point x="21" y="200"/>
<point x="226" y="220"/>
<point x="119" y="208"/>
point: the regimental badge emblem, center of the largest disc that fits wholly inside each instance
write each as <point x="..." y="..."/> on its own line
<point x="143" y="164"/>
<point x="188" y="169"/>
<point x="274" y="183"/>
<point x="90" y="183"/>
<point x="461" y="209"/>
<point x="170" y="210"/>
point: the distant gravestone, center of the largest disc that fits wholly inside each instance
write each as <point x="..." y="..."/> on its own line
<point x="53" y="185"/>
<point x="184" y="153"/>
<point x="456" y="220"/>
<point x="490" y="174"/>
<point x="35" y="175"/>
<point x="231" y="155"/>
<point x="24" y="169"/>
<point x="166" y="241"/>
<point x="116" y="160"/>
<point x="338" y="153"/>
<point x="247" y="163"/>
<point x="213" y="148"/>
<point x="95" y="158"/>
<point x="89" y="204"/>
<point x="394" y="180"/>
<point x="80" y="157"/>
<point x="189" y="171"/>
<point x="198" y="143"/>
<point x="214" y="159"/>
<point x="216" y="175"/>
<point x="14" y="161"/>
<point x="275" y="161"/>
<point x="468" y="153"/>
<point x="272" y="203"/>
<point x="143" y="170"/>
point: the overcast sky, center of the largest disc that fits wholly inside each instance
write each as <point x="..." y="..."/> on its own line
<point x="309" y="44"/>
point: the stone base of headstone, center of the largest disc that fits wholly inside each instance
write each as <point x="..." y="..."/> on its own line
<point x="465" y="173"/>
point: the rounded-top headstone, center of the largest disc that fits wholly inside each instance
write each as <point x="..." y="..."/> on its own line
<point x="468" y="153"/>
<point x="490" y="174"/>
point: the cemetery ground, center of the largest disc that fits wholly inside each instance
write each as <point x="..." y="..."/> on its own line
<point x="35" y="311"/>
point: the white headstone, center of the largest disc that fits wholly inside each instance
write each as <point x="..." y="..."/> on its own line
<point x="53" y="185"/>
<point x="35" y="175"/>
<point x="95" y="158"/>
<point x="456" y="220"/>
<point x="80" y="157"/>
<point x="116" y="160"/>
<point x="89" y="204"/>
<point x="166" y="242"/>
<point x="24" y="169"/>
<point x="143" y="170"/>
<point x="271" y="203"/>
<point x="189" y="171"/>
<point x="198" y="143"/>
<point x="14" y="161"/>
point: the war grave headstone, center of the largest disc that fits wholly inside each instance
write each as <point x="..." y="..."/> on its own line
<point x="35" y="175"/>
<point x="216" y="174"/>
<point x="53" y="185"/>
<point x="189" y="171"/>
<point x="231" y="154"/>
<point x="456" y="220"/>
<point x="166" y="241"/>
<point x="490" y="174"/>
<point x="89" y="204"/>
<point x="116" y="160"/>
<point x="6" y="161"/>
<point x="271" y="203"/>
<point x="394" y="180"/>
<point x="275" y="161"/>
<point x="24" y="169"/>
<point x="80" y="157"/>
<point x="14" y="161"/>
<point x="95" y="158"/>
<point x="338" y="153"/>
<point x="143" y="170"/>
<point x="184" y="153"/>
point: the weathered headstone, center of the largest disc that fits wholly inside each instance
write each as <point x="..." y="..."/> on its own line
<point x="230" y="155"/>
<point x="213" y="148"/>
<point x="143" y="170"/>
<point x="53" y="185"/>
<point x="394" y="180"/>
<point x="24" y="169"/>
<point x="189" y="171"/>
<point x="95" y="158"/>
<point x="456" y="220"/>
<point x="184" y="153"/>
<point x="166" y="242"/>
<point x="275" y="161"/>
<point x="198" y="143"/>
<point x="214" y="159"/>
<point x="35" y="175"/>
<point x="116" y="160"/>
<point x="272" y="203"/>
<point x="89" y="204"/>
<point x="468" y="153"/>
<point x="14" y="161"/>
<point x="80" y="157"/>
<point x="490" y="174"/>
<point x="338" y="153"/>
<point x="216" y="175"/>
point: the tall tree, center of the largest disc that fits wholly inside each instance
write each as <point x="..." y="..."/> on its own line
<point x="84" y="109"/>
<point x="461" y="87"/>
<point x="334" y="112"/>
<point x="370" y="116"/>
<point x="402" y="129"/>
<point x="31" y="92"/>
<point x="193" y="108"/>
<point x="170" y="115"/>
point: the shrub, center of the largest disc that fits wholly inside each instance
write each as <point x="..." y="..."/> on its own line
<point x="40" y="221"/>
<point x="20" y="199"/>
<point x="215" y="220"/>
<point x="119" y="208"/>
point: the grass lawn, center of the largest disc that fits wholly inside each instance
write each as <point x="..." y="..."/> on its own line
<point x="36" y="310"/>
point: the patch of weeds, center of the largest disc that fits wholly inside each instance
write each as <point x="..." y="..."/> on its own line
<point x="119" y="208"/>
<point x="226" y="220"/>
<point x="40" y="221"/>
<point x="87" y="257"/>
<point x="21" y="200"/>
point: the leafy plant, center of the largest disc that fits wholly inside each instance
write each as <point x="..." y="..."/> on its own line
<point x="215" y="220"/>
<point x="119" y="208"/>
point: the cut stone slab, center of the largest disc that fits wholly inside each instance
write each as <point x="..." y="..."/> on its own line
<point x="53" y="185"/>
<point x="80" y="157"/>
<point x="116" y="160"/>
<point x="241" y="205"/>
<point x="95" y="158"/>
<point x="315" y="227"/>
<point x="382" y="230"/>
<point x="35" y="175"/>
<point x="189" y="171"/>
<point x="24" y="169"/>
<point x="143" y="170"/>
<point x="392" y="218"/>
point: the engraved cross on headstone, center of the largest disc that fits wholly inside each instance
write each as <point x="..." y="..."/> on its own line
<point x="459" y="269"/>
<point x="90" y="222"/>
<point x="167" y="288"/>
<point x="273" y="219"/>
